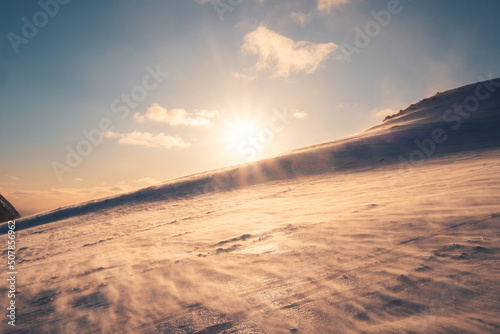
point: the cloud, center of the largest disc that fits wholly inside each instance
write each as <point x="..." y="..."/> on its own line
<point x="148" y="180"/>
<point x="283" y="56"/>
<point x="147" y="139"/>
<point x="301" y="18"/>
<point x="207" y="113"/>
<point x="242" y="76"/>
<point x="327" y="5"/>
<point x="78" y="179"/>
<point x="33" y="201"/>
<point x="157" y="113"/>
<point x="299" y="114"/>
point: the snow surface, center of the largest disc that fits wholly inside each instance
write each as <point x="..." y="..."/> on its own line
<point x="340" y="237"/>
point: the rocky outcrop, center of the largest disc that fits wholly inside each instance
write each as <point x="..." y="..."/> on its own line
<point x="7" y="211"/>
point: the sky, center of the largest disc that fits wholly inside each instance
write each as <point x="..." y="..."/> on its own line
<point x="103" y="97"/>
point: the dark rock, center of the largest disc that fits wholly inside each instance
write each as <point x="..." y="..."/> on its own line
<point x="7" y="211"/>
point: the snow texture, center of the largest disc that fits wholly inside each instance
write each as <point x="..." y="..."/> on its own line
<point x="359" y="235"/>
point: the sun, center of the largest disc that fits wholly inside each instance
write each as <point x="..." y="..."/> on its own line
<point x="241" y="131"/>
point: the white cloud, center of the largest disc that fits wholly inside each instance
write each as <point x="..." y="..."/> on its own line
<point x="242" y="76"/>
<point x="327" y="5"/>
<point x="283" y="56"/>
<point x="174" y="117"/>
<point x="301" y="18"/>
<point x="78" y="179"/>
<point x="148" y="180"/>
<point x="147" y="139"/>
<point x="207" y="113"/>
<point x="299" y="114"/>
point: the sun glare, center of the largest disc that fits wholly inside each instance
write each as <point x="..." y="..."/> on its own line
<point x="241" y="131"/>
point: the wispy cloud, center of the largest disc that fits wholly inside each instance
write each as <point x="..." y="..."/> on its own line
<point x="327" y="5"/>
<point x="299" y="114"/>
<point x="207" y="113"/>
<point x="148" y="180"/>
<point x="147" y="139"/>
<point x="283" y="56"/>
<point x="157" y="113"/>
<point x="301" y="18"/>
<point x="32" y="201"/>
<point x="243" y="76"/>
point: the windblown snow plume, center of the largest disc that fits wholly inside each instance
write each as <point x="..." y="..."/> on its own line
<point x="395" y="229"/>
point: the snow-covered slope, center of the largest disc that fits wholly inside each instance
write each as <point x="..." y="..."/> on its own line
<point x="466" y="118"/>
<point x="363" y="234"/>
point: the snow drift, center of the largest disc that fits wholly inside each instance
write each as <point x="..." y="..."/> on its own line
<point x="392" y="230"/>
<point x="460" y="120"/>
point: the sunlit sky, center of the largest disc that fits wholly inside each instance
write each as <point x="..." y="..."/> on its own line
<point x="178" y="87"/>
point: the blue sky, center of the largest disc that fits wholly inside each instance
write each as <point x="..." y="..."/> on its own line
<point x="227" y="80"/>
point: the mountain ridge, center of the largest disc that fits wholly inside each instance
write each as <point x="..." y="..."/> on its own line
<point x="7" y="210"/>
